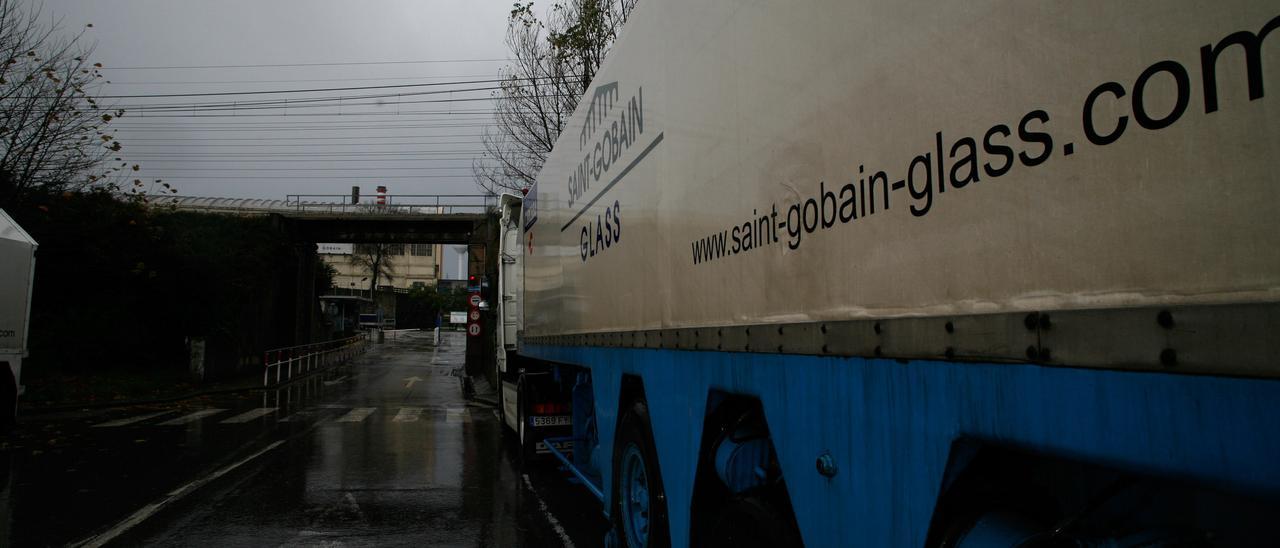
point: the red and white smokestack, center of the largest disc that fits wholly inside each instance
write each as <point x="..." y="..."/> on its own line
<point x="382" y="195"/>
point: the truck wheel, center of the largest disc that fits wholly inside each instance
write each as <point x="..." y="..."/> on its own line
<point x="524" y="438"/>
<point x="640" y="510"/>
<point x="750" y="522"/>
<point x="8" y="400"/>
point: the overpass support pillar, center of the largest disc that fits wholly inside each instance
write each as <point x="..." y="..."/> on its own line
<point x="482" y="262"/>
<point x="305" y="299"/>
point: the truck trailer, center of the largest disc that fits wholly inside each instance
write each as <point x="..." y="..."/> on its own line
<point x="17" y="273"/>
<point x="867" y="273"/>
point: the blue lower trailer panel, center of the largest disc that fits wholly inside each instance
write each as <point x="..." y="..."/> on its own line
<point x="890" y="426"/>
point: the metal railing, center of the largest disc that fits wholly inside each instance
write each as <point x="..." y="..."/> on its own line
<point x="390" y="204"/>
<point x="309" y="357"/>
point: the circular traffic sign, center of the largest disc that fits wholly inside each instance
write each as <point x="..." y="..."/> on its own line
<point x="475" y="300"/>
<point x="473" y="329"/>
<point x="475" y="315"/>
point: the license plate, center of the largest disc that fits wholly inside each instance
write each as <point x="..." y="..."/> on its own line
<point x="555" y="420"/>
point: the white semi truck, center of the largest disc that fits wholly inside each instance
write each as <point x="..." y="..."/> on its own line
<point x="17" y="274"/>
<point x="905" y="273"/>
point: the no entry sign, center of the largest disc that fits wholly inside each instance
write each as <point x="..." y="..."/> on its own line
<point x="475" y="300"/>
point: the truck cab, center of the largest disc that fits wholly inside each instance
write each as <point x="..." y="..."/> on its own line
<point x="17" y="272"/>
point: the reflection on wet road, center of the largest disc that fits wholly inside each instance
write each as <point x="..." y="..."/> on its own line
<point x="385" y="452"/>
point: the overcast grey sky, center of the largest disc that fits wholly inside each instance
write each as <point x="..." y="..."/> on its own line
<point x="414" y="140"/>
<point x="325" y="147"/>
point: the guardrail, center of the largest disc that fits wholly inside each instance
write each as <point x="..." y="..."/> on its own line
<point x="308" y="357"/>
<point x="392" y="204"/>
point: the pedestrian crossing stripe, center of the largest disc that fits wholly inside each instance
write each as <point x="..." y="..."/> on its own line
<point x="250" y="415"/>
<point x="130" y="420"/>
<point x="192" y="417"/>
<point x="358" y="414"/>
<point x="452" y="415"/>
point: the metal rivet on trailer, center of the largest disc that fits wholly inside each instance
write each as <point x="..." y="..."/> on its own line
<point x="1168" y="357"/>
<point x="1032" y="353"/>
<point x="1044" y="322"/>
<point x="825" y="350"/>
<point x="824" y="329"/>
<point x="950" y="353"/>
<point x="779" y="349"/>
<point x="876" y="327"/>
<point x="1032" y="321"/>
<point x="779" y="329"/>
<point x="950" y="327"/>
<point x="827" y="465"/>
<point x="1165" y="319"/>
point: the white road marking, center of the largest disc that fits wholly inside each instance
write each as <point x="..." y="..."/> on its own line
<point x="250" y="415"/>
<point x="131" y="420"/>
<point x="546" y="512"/>
<point x="408" y="414"/>
<point x="192" y="417"/>
<point x="358" y="414"/>
<point x="173" y="496"/>
<point x="299" y="416"/>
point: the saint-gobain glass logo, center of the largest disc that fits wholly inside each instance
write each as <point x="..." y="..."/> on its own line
<point x="610" y="128"/>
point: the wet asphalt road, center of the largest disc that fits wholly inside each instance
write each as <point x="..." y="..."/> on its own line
<point x="382" y="452"/>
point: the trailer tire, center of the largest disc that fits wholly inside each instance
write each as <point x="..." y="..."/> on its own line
<point x="749" y="521"/>
<point x="8" y="400"/>
<point x="527" y="446"/>
<point x="640" y="505"/>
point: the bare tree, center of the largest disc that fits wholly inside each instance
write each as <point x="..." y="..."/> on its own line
<point x="53" y="132"/>
<point x="376" y="259"/>
<point x="554" y="62"/>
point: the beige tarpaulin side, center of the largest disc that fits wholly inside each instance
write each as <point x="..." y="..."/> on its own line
<point x="740" y="163"/>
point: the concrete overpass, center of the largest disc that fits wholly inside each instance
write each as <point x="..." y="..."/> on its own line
<point x="470" y="220"/>
<point x="441" y="219"/>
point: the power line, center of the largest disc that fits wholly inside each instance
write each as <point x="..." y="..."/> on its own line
<point x="358" y="139"/>
<point x="413" y="156"/>
<point x="301" y="101"/>
<point x="323" y="90"/>
<point x="251" y="178"/>
<point x="309" y="114"/>
<point x="322" y="102"/>
<point x="470" y="149"/>
<point x="292" y="169"/>
<point x="311" y="128"/>
<point x="231" y="107"/>
<point x="152" y="163"/>
<point x="222" y="82"/>
<point x="348" y="64"/>
<point x="322" y="147"/>
<point x="386" y="123"/>
<point x="135" y="146"/>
